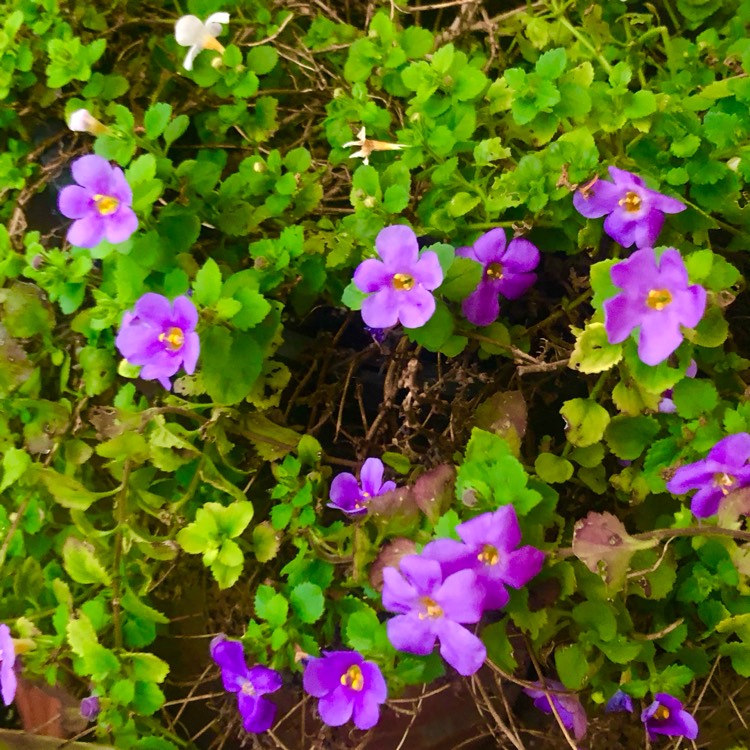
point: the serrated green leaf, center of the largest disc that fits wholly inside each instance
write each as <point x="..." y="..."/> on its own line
<point x="307" y="602"/>
<point x="585" y="421"/>
<point x="81" y="563"/>
<point x="592" y="352"/>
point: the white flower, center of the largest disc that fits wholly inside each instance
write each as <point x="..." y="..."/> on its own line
<point x="367" y="146"/>
<point x="191" y="32"/>
<point x="82" y="121"/>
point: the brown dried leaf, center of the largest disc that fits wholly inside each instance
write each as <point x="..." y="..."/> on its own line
<point x="389" y="557"/>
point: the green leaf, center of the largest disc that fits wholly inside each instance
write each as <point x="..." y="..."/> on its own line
<point x="270" y="606"/>
<point x="642" y="104"/>
<point x="15" y="463"/>
<point x="462" y="279"/>
<point x="694" y="397"/>
<point x="352" y="297"/>
<point x="461" y="203"/>
<point x="739" y="654"/>
<point x="572" y="666"/>
<point x="148" y="668"/>
<point x="263" y="59"/>
<point x="148" y="698"/>
<point x="265" y="542"/>
<point x="156" y="119"/>
<point x="436" y="331"/>
<point x="81" y="564"/>
<point x="364" y="632"/>
<point x="712" y="330"/>
<point x="551" y="64"/>
<point x="307" y="602"/>
<point x="592" y="352"/>
<point x="67" y="491"/>
<point x="627" y="437"/>
<point x="596" y="616"/>
<point x="585" y="421"/>
<point x="99" y="369"/>
<point x="176" y="128"/>
<point x="499" y="648"/>
<point x="207" y="284"/>
<point x="231" y="364"/>
<point x="553" y="469"/>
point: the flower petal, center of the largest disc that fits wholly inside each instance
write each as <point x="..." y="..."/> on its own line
<point x="371" y="275"/>
<point x="692" y="476"/>
<point x="120" y="225"/>
<point x="637" y="273"/>
<point x="335" y="708"/>
<point x="192" y="53"/>
<point x="460" y="647"/>
<point x="647" y="228"/>
<point x="521" y="256"/>
<point x="424" y="575"/>
<point x="692" y="305"/>
<point x="264" y="679"/>
<point x="398" y="247"/>
<point x="499" y="528"/>
<point x="621" y="316"/>
<point x="190" y="352"/>
<point x="75" y="202"/>
<point x="518" y="567"/>
<point x="92" y="172"/>
<point x="87" y="232"/>
<point x="257" y="713"/>
<point x="621" y="227"/>
<point x="366" y="711"/>
<point x="482" y="306"/>
<point x="427" y="270"/>
<point x="733" y="450"/>
<point x="409" y="633"/>
<point x="415" y="307"/>
<point x="598" y="200"/>
<point x="660" y="336"/>
<point x="490" y="247"/>
<point x="515" y="285"/>
<point x="189" y="30"/>
<point x="460" y="598"/>
<point x="381" y="310"/>
<point x="371" y="476"/>
<point x="398" y="594"/>
<point x="706" y="502"/>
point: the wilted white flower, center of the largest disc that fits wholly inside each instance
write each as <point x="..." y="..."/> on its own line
<point x="367" y="146"/>
<point x="191" y="32"/>
<point x="82" y="121"/>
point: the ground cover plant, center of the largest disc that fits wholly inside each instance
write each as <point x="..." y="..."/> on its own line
<point x="374" y="373"/>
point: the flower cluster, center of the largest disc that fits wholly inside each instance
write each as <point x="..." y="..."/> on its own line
<point x="722" y="471"/>
<point x="250" y="684"/>
<point x="350" y="496"/>
<point x="452" y="583"/>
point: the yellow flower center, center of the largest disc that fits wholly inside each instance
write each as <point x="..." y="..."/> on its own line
<point x="432" y="609"/>
<point x="106" y="204"/>
<point x="658" y="299"/>
<point x="631" y="202"/>
<point x="174" y="338"/>
<point x="353" y="678"/>
<point x="494" y="271"/>
<point x="211" y="42"/>
<point x="403" y="281"/>
<point x="489" y="555"/>
<point x="661" y="713"/>
<point x="725" y="482"/>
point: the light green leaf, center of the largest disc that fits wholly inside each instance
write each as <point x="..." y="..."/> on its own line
<point x="586" y="421"/>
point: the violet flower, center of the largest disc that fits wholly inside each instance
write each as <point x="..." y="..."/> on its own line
<point x="636" y="214"/>
<point x="431" y="607"/>
<point x="8" y="680"/>
<point x="620" y="701"/>
<point x="99" y="203"/>
<point x="506" y="270"/>
<point x="160" y="337"/>
<point x="567" y="704"/>
<point x="666" y="716"/>
<point x="666" y="405"/>
<point x="347" y="686"/>
<point x="349" y="496"/>
<point x="250" y="685"/>
<point x="90" y="707"/>
<point x="488" y="547"/>
<point x="723" y="470"/>
<point x="655" y="297"/>
<point x="400" y="284"/>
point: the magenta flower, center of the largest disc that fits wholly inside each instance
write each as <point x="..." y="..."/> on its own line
<point x="99" y="203"/>
<point x="431" y="607"/>
<point x="90" y="707"/>
<point x="400" y="283"/>
<point x="507" y="271"/>
<point x="250" y="685"/>
<point x="655" y="297"/>
<point x="723" y="470"/>
<point x="636" y="214"/>
<point x="350" y="497"/>
<point x="620" y="701"/>
<point x="666" y="716"/>
<point x="160" y="337"/>
<point x="567" y="704"/>
<point x="488" y="547"/>
<point x="347" y="686"/>
<point x="8" y="680"/>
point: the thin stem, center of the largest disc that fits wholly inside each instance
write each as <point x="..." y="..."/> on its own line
<point x="121" y="515"/>
<point x="586" y="43"/>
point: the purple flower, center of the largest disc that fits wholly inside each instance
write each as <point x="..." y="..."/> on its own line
<point x="507" y="271"/>
<point x="400" y="283"/>
<point x="666" y="716"/>
<point x="8" y="680"/>
<point x="567" y="704"/>
<point x="348" y="496"/>
<point x="655" y="297"/>
<point x="90" y="707"/>
<point x="348" y="686"/>
<point x="99" y="203"/>
<point x="666" y="405"/>
<point x="636" y="214"/>
<point x="620" y="701"/>
<point x="250" y="684"/>
<point x="430" y="608"/>
<point x="488" y="547"/>
<point x="160" y="336"/>
<point x="723" y="470"/>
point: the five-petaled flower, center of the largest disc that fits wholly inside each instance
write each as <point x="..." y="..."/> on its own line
<point x="368" y="145"/>
<point x="655" y="296"/>
<point x="160" y="336"/>
<point x="399" y="285"/>
<point x="568" y="705"/>
<point x="430" y="607"/>
<point x="666" y="716"/>
<point x="723" y="470"/>
<point x="99" y="203"/>
<point x="250" y="684"/>
<point x="636" y="214"/>
<point x="348" y="688"/>
<point x="82" y="121"/>
<point x="191" y="32"/>
<point x="507" y="270"/>
<point x="349" y="496"/>
<point x="8" y="680"/>
<point x="488" y="547"/>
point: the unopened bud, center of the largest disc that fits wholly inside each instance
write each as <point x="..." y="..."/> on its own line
<point x="82" y="121"/>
